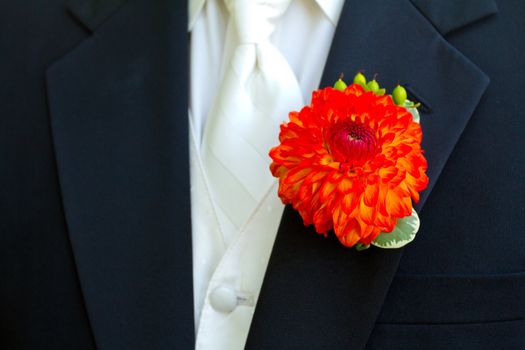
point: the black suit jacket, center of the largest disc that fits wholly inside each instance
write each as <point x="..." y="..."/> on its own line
<point x="95" y="236"/>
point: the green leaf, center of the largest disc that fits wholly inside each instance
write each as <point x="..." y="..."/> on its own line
<point x="404" y="232"/>
<point x="409" y="105"/>
<point x="359" y="246"/>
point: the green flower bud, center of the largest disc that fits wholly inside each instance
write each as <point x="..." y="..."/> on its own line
<point x="399" y="95"/>
<point x="340" y="85"/>
<point x="373" y="86"/>
<point x="360" y="79"/>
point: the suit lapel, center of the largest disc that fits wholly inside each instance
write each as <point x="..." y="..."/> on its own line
<point x="316" y="293"/>
<point x="118" y="106"/>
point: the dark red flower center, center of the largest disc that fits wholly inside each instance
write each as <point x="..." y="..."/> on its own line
<point x="351" y="142"/>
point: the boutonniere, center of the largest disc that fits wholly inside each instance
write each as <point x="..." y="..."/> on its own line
<point x="352" y="161"/>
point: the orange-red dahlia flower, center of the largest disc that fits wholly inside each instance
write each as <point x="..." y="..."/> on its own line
<point x="351" y="161"/>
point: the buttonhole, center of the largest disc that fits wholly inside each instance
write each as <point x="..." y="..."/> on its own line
<point x="416" y="97"/>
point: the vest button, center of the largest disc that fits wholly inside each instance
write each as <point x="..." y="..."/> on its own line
<point x="223" y="299"/>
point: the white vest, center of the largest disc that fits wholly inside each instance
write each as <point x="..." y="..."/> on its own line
<point x="235" y="283"/>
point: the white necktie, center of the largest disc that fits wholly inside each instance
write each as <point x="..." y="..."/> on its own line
<point x="258" y="90"/>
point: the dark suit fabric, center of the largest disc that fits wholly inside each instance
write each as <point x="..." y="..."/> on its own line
<point x="465" y="272"/>
<point x="41" y="304"/>
<point x="95" y="236"/>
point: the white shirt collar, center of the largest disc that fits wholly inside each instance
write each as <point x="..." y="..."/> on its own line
<point x="331" y="9"/>
<point x="194" y="8"/>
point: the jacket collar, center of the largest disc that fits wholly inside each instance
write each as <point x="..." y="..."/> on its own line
<point x="93" y="13"/>
<point x="451" y="15"/>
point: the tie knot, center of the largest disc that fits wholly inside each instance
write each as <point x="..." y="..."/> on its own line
<point x="255" y="19"/>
